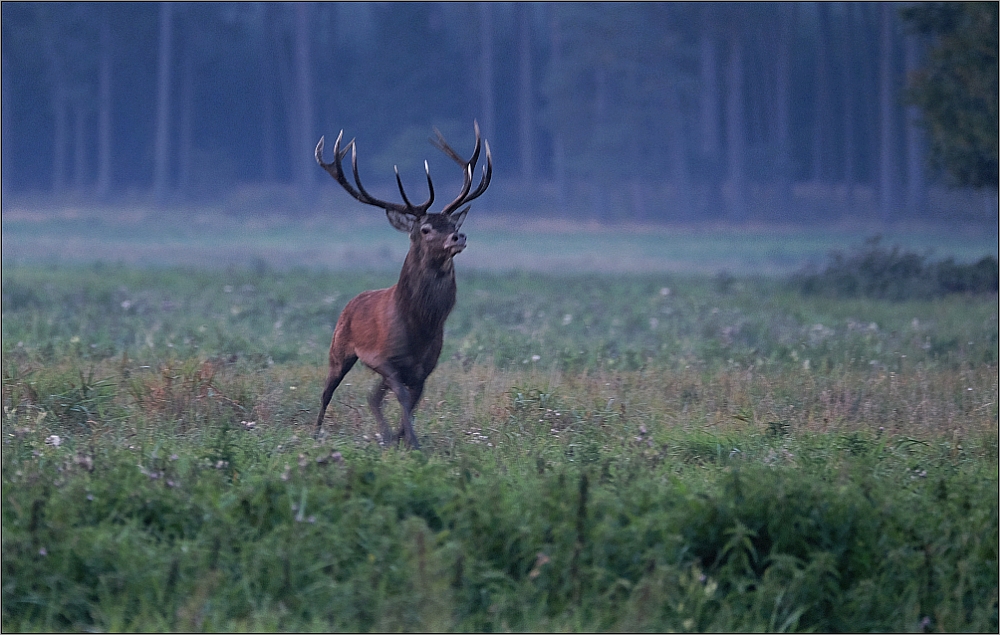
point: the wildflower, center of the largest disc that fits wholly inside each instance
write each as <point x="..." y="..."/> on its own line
<point x="90" y="497"/>
<point x="43" y="552"/>
<point x="535" y="358"/>
<point x="53" y="440"/>
<point x="665" y="291"/>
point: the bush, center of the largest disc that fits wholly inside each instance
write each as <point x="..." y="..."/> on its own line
<point x="873" y="271"/>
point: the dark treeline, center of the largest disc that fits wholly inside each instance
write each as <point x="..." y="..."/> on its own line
<point x="645" y="111"/>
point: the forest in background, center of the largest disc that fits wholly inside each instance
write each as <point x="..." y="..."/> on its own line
<point x="687" y="112"/>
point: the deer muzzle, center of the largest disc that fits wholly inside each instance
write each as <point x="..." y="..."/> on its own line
<point x="455" y="243"/>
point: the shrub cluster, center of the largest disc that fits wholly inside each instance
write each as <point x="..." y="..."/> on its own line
<point x="361" y="541"/>
<point x="872" y="271"/>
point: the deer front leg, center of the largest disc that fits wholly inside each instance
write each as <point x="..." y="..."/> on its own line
<point x="375" y="403"/>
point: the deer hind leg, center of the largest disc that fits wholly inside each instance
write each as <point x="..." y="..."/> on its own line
<point x="337" y="372"/>
<point x="406" y="401"/>
<point x="406" y="421"/>
<point x="375" y="403"/>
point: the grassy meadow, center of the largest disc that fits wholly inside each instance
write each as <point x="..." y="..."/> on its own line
<point x="658" y="449"/>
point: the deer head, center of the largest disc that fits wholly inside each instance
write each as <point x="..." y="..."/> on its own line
<point x="433" y="236"/>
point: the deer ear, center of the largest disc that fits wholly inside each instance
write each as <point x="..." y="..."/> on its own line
<point x="401" y="221"/>
<point x="459" y="217"/>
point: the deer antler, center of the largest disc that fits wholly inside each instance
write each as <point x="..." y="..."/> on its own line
<point x="336" y="170"/>
<point x="467" y="167"/>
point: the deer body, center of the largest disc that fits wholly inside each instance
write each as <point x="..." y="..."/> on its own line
<point x="398" y="332"/>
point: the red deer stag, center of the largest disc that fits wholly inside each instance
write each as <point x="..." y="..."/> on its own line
<point x="398" y="332"/>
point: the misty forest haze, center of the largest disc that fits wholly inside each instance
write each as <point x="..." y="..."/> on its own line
<point x="763" y="112"/>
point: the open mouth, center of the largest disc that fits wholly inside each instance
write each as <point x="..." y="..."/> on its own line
<point x="458" y="246"/>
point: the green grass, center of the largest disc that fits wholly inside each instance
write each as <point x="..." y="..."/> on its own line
<point x="649" y="452"/>
<point x="337" y="233"/>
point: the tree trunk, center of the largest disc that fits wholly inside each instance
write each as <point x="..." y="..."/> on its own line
<point x="59" y="142"/>
<point x="598" y="196"/>
<point x="847" y="52"/>
<point x="735" y="130"/>
<point x="558" y="143"/>
<point x="303" y="158"/>
<point x="821" y="112"/>
<point x="915" y="183"/>
<point x="887" y="162"/>
<point x="103" y="185"/>
<point x="59" y="112"/>
<point x="286" y="90"/>
<point x="268" y="142"/>
<point x="5" y="123"/>
<point x="187" y="105"/>
<point x="486" y="97"/>
<point x="782" y="89"/>
<point x="79" y="146"/>
<point x="161" y="148"/>
<point x="709" y="97"/>
<point x="526" y="100"/>
<point x="677" y="146"/>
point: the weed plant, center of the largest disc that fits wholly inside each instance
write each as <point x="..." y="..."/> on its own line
<point x="600" y="453"/>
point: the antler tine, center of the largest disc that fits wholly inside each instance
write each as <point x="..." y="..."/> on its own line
<point x="467" y="167"/>
<point x="421" y="209"/>
<point x="430" y="188"/>
<point x="487" y="176"/>
<point x="319" y="150"/>
<point x="367" y="198"/>
<point x="399" y="182"/>
<point x="443" y="146"/>
<point x="336" y="169"/>
<point x="464" y="197"/>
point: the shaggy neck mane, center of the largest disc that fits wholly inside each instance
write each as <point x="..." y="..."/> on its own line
<point x="425" y="292"/>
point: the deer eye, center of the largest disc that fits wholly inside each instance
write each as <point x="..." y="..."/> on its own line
<point x="426" y="229"/>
